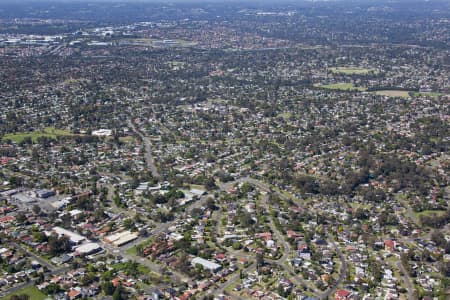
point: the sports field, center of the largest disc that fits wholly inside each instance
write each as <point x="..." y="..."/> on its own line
<point x="49" y="132"/>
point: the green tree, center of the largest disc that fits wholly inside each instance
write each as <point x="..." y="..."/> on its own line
<point x="117" y="295"/>
<point x="108" y="287"/>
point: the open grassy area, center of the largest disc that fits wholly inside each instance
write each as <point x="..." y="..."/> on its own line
<point x="127" y="139"/>
<point x="429" y="94"/>
<point x="197" y="186"/>
<point x="31" y="291"/>
<point x="138" y="41"/>
<point x="131" y="251"/>
<point x="285" y="115"/>
<point x="141" y="269"/>
<point x="428" y="213"/>
<point x="49" y="132"/>
<point x="342" y="87"/>
<point x="352" y="70"/>
<point x="393" y="93"/>
<point x="175" y="63"/>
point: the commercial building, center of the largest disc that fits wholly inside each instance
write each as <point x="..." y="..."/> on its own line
<point x="121" y="238"/>
<point x="73" y="237"/>
<point x="209" y="265"/>
<point x="88" y="248"/>
<point x="45" y="193"/>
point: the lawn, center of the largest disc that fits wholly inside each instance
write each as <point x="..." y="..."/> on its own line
<point x="428" y="213"/>
<point x="197" y="186"/>
<point x="31" y="291"/>
<point x="430" y="94"/>
<point x="175" y="63"/>
<point x="128" y="268"/>
<point x="285" y="115"/>
<point x="126" y="139"/>
<point x="49" y="132"/>
<point x="342" y="87"/>
<point x="352" y="70"/>
<point x="139" y="42"/>
<point x="132" y="251"/>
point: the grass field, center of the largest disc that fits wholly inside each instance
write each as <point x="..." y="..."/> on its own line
<point x="393" y="93"/>
<point x="49" y="132"/>
<point x="31" y="291"/>
<point x="123" y="267"/>
<point x="140" y="42"/>
<point x="431" y="94"/>
<point x="342" y="87"/>
<point x="285" y="115"/>
<point x="352" y="70"/>
<point x="428" y="213"/>
<point x="126" y="139"/>
<point x="132" y="251"/>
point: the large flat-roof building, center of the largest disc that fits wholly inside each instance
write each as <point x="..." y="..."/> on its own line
<point x="74" y="238"/>
<point x="45" y="193"/>
<point x="121" y="238"/>
<point x="88" y="248"/>
<point x="23" y="198"/>
<point x="209" y="265"/>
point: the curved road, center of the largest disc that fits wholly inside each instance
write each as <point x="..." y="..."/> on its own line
<point x="266" y="188"/>
<point x="281" y="262"/>
<point x="331" y="290"/>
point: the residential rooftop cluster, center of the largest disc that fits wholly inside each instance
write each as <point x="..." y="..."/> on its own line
<point x="224" y="152"/>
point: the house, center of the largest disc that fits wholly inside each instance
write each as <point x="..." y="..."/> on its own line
<point x="115" y="282"/>
<point x="292" y="234"/>
<point x="389" y="245"/>
<point x="342" y="295"/>
<point x="7" y="219"/>
<point x="220" y="257"/>
<point x="264" y="235"/>
<point x="74" y="294"/>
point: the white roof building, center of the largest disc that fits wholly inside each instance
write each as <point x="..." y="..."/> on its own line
<point x="209" y="265"/>
<point x="121" y="238"/>
<point x="88" y="248"/>
<point x="73" y="237"/>
<point x="102" y="132"/>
